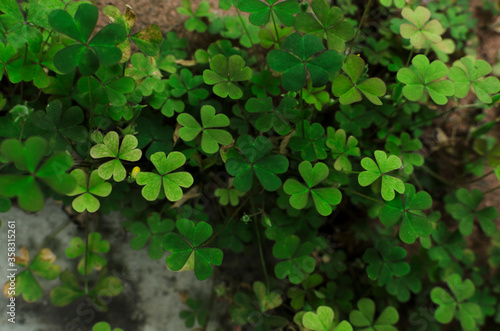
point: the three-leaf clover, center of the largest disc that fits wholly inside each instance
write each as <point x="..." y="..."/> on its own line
<point x="257" y="160"/>
<point x="300" y="55"/>
<point x="375" y="170"/>
<point x="196" y="312"/>
<point x="421" y="29"/>
<point x="298" y="262"/>
<point x="154" y="232"/>
<point x="364" y="316"/>
<point x="194" y="22"/>
<point x="348" y="89"/>
<point x="322" y="320"/>
<point x="407" y="209"/>
<point x="449" y="244"/>
<point x="111" y="147"/>
<point x="261" y="11"/>
<point x="85" y="54"/>
<point x="470" y="73"/>
<point x="310" y="140"/>
<point x="87" y="189"/>
<point x="187" y="84"/>
<point x="457" y="305"/>
<point x="172" y="182"/>
<point x="181" y="250"/>
<point x="277" y="118"/>
<point x="228" y="195"/>
<point x="146" y="74"/>
<point x="341" y="148"/>
<point x="96" y="246"/>
<point x="385" y="262"/>
<point x="397" y="3"/>
<point x="224" y="73"/>
<point x="323" y="198"/>
<point x="21" y="27"/>
<point x="211" y="137"/>
<point x="104" y="326"/>
<point x="403" y="147"/>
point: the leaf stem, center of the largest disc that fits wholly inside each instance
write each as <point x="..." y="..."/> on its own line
<point x="276" y="29"/>
<point x="361" y="21"/>
<point x="492" y="189"/>
<point x="362" y="195"/>
<point x="435" y="175"/>
<point x="261" y="253"/>
<point x="409" y="57"/>
<point x="86" y="251"/>
<point x="246" y="30"/>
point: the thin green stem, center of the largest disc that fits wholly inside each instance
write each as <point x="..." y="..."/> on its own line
<point x="276" y="29"/>
<point x="480" y="178"/>
<point x="492" y="189"/>
<point x="362" y="195"/>
<point x="435" y="175"/>
<point x="261" y="253"/>
<point x="246" y="30"/>
<point x="361" y="21"/>
<point x="409" y="57"/>
<point x="86" y="251"/>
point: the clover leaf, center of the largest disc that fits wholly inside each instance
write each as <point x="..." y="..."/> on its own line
<point x="86" y="54"/>
<point x="407" y="209"/>
<point x="27" y="158"/>
<point x="348" y="89"/>
<point x="224" y="73"/>
<point x="146" y="74"/>
<point x="172" y="182"/>
<point x="256" y="160"/>
<point x="187" y="84"/>
<point x="196" y="312"/>
<point x="298" y="262"/>
<point x="263" y="84"/>
<point x="353" y="119"/>
<point x="111" y="147"/>
<point x="397" y="3"/>
<point x="341" y="148"/>
<point x="329" y="22"/>
<point x="323" y="198"/>
<point x="469" y="73"/>
<point x="261" y="11"/>
<point x="403" y="148"/>
<point x="163" y="100"/>
<point x="20" y="26"/>
<point x="375" y="170"/>
<point x="310" y="140"/>
<point x="278" y="118"/>
<point x="385" y="262"/>
<point x="421" y="29"/>
<point x="464" y="207"/>
<point x="154" y="134"/>
<point x="190" y="243"/>
<point x="194" y="22"/>
<point x="468" y="313"/>
<point x="104" y="326"/>
<point x="87" y="189"/>
<point x="228" y="195"/>
<point x="449" y="245"/>
<point x="154" y="232"/>
<point x="267" y="299"/>
<point x="402" y="286"/>
<point x="96" y="246"/>
<point x="300" y="55"/>
<point x="322" y="320"/>
<point x="211" y="137"/>
<point x="26" y="283"/>
<point x="364" y="316"/>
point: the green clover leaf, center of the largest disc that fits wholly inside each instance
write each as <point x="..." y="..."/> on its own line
<point x="104" y="326"/>
<point x="187" y="84"/>
<point x="163" y="100"/>
<point x="322" y="320"/>
<point x="267" y="299"/>
<point x="403" y="148"/>
<point x="146" y="74"/>
<point x="154" y="232"/>
<point x="224" y="73"/>
<point x="310" y="140"/>
<point x="111" y="147"/>
<point x="85" y="54"/>
<point x="407" y="209"/>
<point x="181" y="250"/>
<point x="363" y="317"/>
<point x="262" y="84"/>
<point x="353" y="119"/>
<point x="154" y="134"/>
<point x="87" y="189"/>
<point x="421" y="29"/>
<point x="211" y="137"/>
<point x="194" y="22"/>
<point x="348" y="89"/>
<point x="8" y="62"/>
<point x="323" y="198"/>
<point x="397" y="3"/>
<point x="96" y="246"/>
<point x="449" y="245"/>
<point x="228" y="195"/>
<point x="385" y="262"/>
<point x="329" y="22"/>
<point x="341" y="148"/>
<point x="21" y="27"/>
<point x="262" y="11"/>
<point x="470" y="73"/>
<point x="402" y="286"/>
<point x="257" y="160"/>
<point x="375" y="170"/>
<point x="172" y="182"/>
<point x="298" y="262"/>
<point x="27" y="158"/>
<point x="197" y="312"/>
<point x="300" y="55"/>
<point x="278" y="118"/>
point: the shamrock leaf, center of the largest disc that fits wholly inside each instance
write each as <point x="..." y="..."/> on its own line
<point x="211" y="138"/>
<point x="401" y="286"/>
<point x="172" y="182"/>
<point x="87" y="189"/>
<point x="322" y="320"/>
<point x="153" y="133"/>
<point x="470" y="73"/>
<point x="449" y="244"/>
<point x="385" y="262"/>
<point x="277" y="118"/>
<point x="403" y="148"/>
<point x="374" y="171"/>
<point x="263" y="84"/>
<point x="310" y="140"/>
<point x="27" y="158"/>
<point x="329" y="22"/>
<point x="110" y="147"/>
<point x="353" y="119"/>
<point x="197" y="312"/>
<point x="421" y="29"/>
<point x="26" y="283"/>
<point x="363" y="317"/>
<point x="96" y="246"/>
<point x="8" y="62"/>
<point x="302" y="54"/>
<point x="146" y="74"/>
<point x="224" y="73"/>
<point x="20" y="26"/>
<point x="61" y="127"/>
<point x="85" y="54"/>
<point x="468" y="312"/>
<point x="323" y="198"/>
<point x="163" y="100"/>
<point x="348" y="89"/>
<point x="261" y="11"/>
<point x="464" y="207"/>
<point x="194" y="22"/>
<point x="182" y="250"/>
<point x="298" y="262"/>
<point x="187" y="84"/>
<point x="407" y="209"/>
<point x="267" y="299"/>
<point x="228" y="195"/>
<point x="147" y="40"/>
<point x="154" y="232"/>
<point x="103" y="326"/>
<point x="341" y="148"/>
<point x="397" y="3"/>
<point x="257" y="160"/>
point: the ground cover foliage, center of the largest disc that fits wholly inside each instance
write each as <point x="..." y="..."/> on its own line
<point x="295" y="143"/>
